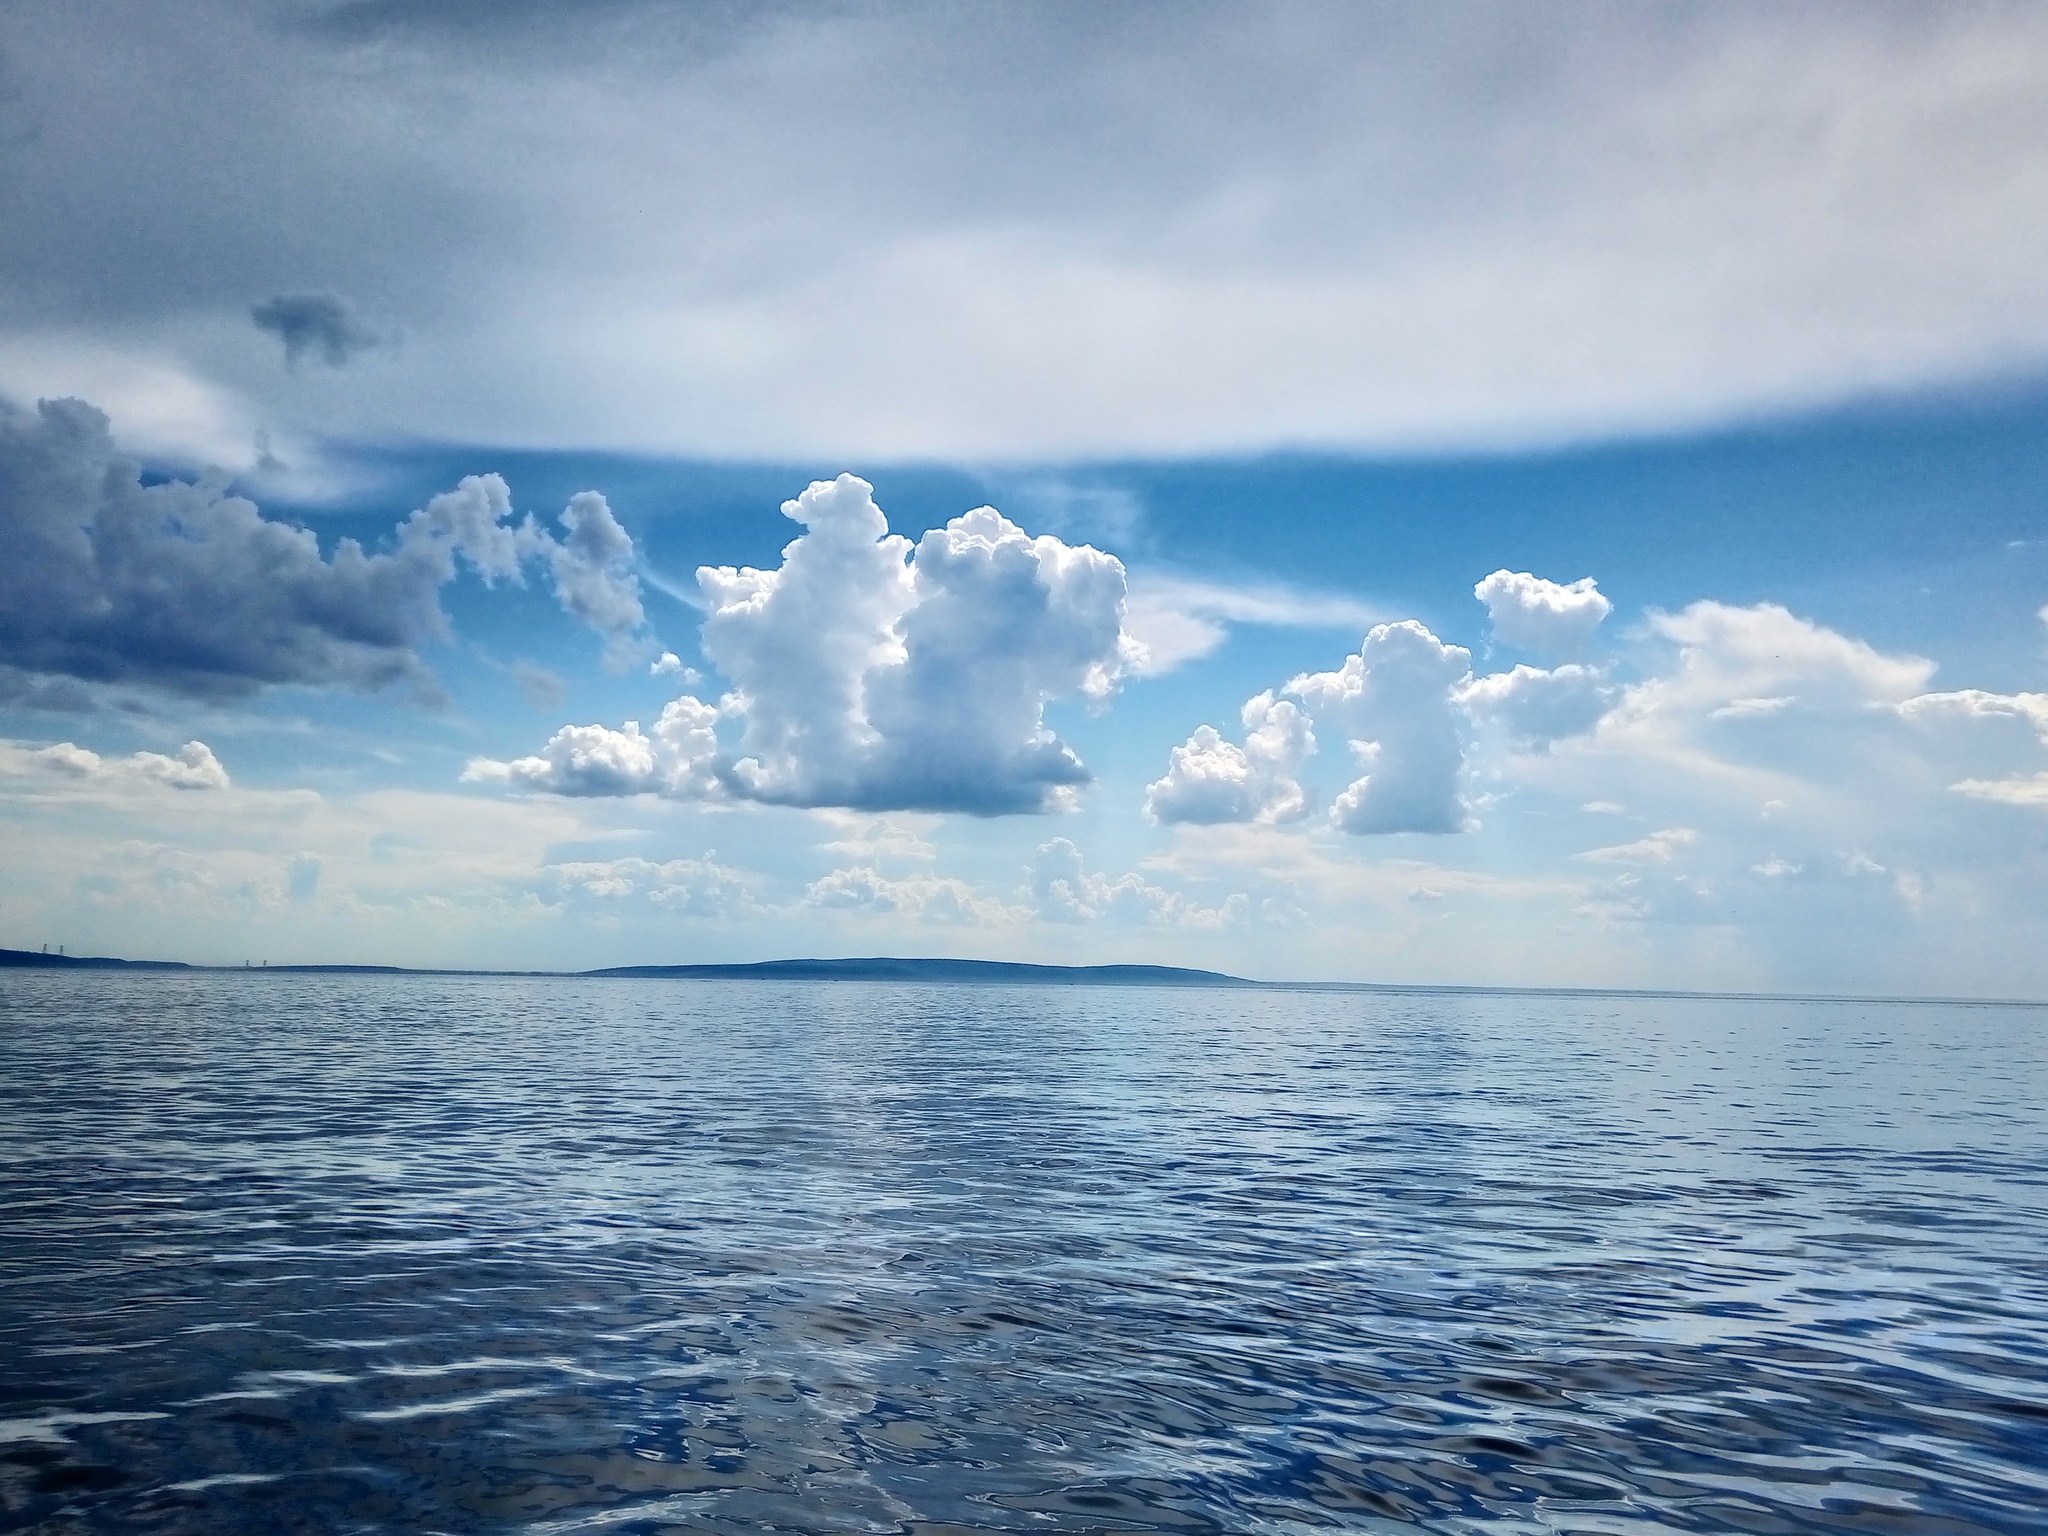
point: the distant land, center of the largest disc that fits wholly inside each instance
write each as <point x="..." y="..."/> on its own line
<point x="969" y="972"/>
<point x="875" y="969"/>
<point x="29" y="958"/>
<point x="943" y="970"/>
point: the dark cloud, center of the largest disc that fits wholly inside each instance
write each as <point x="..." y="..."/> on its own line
<point x="593" y="568"/>
<point x="1018" y="232"/>
<point x="59" y="695"/>
<point x="180" y="585"/>
<point x="184" y="587"/>
<point x="378" y="20"/>
<point x="317" y="323"/>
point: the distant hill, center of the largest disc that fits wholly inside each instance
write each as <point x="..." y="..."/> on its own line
<point x="1009" y="971"/>
<point x="939" y="970"/>
<point x="31" y="959"/>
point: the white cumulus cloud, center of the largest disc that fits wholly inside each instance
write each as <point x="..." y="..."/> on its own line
<point x="1398" y="703"/>
<point x="920" y="897"/>
<point x="686" y="887"/>
<point x="871" y="674"/>
<point x="669" y="664"/>
<point x="593" y="568"/>
<point x="1210" y="780"/>
<point x="679" y="760"/>
<point x="1536" y="706"/>
<point x="1976" y="704"/>
<point x="1394" y="700"/>
<point x="194" y="766"/>
<point x="1065" y="890"/>
<point x="1532" y="614"/>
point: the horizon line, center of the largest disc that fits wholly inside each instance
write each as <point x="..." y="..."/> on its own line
<point x="971" y="972"/>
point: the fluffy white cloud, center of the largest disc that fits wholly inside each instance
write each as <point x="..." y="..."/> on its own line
<point x="183" y="587"/>
<point x="1394" y="700"/>
<point x="1807" y="808"/>
<point x="1536" y="706"/>
<point x="686" y="887"/>
<point x="1210" y="780"/>
<point x="1064" y="890"/>
<point x="1975" y="704"/>
<point x="2003" y="714"/>
<point x="1397" y="703"/>
<point x="1001" y="624"/>
<point x="1750" y="707"/>
<point x="1734" y="661"/>
<point x="871" y="675"/>
<point x="2015" y="791"/>
<point x="669" y="664"/>
<point x="874" y="838"/>
<point x="1532" y="614"/>
<point x="194" y="767"/>
<point x="1751" y="704"/>
<point x="593" y="568"/>
<point x="1806" y="812"/>
<point x="920" y="898"/>
<point x="680" y="760"/>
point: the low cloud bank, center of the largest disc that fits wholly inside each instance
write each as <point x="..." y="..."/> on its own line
<point x="1065" y="890"/>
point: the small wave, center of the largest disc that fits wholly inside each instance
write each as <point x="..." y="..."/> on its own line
<point x="469" y="1404"/>
<point x="48" y="1428"/>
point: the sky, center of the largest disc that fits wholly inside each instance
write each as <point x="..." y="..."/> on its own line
<point x="1485" y="494"/>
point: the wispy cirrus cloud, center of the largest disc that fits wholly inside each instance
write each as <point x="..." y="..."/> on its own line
<point x="1178" y="619"/>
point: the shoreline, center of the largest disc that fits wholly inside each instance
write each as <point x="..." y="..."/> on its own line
<point x="952" y="972"/>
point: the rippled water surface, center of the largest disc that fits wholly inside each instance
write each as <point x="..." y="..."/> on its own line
<point x="422" y="1254"/>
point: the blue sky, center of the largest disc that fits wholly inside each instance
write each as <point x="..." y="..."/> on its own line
<point x="1271" y="334"/>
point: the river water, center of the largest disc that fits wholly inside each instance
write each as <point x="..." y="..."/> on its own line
<point x="422" y="1254"/>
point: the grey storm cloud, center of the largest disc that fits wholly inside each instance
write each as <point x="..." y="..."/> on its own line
<point x="1019" y="231"/>
<point x="182" y="586"/>
<point x="316" y="324"/>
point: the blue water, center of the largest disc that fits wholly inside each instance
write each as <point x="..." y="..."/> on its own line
<point x="449" y="1255"/>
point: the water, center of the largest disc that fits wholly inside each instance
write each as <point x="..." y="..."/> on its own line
<point x="461" y="1255"/>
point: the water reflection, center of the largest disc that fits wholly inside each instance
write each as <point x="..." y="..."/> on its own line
<point x="296" y="1253"/>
